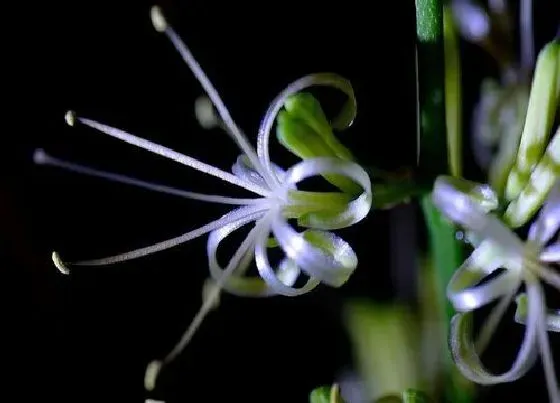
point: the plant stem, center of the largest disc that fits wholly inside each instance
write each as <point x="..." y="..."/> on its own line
<point x="431" y="88"/>
<point x="445" y="249"/>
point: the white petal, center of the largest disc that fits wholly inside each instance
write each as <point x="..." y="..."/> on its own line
<point x="237" y="283"/>
<point x="332" y="263"/>
<point x="276" y="280"/>
<point x="321" y="79"/>
<point x="463" y="291"/>
<point x="357" y="209"/>
<point x="468" y="362"/>
<point x="458" y="207"/>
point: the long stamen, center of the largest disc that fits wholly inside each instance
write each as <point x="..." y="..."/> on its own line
<point x="546" y="356"/>
<point x="42" y="158"/>
<point x="493" y="321"/>
<point x="161" y="25"/>
<point x="166" y="152"/>
<point x="155" y="367"/>
<point x="229" y="218"/>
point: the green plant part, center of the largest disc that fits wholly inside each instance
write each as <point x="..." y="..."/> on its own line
<point x="326" y="394"/>
<point x="542" y="108"/>
<point x="408" y="396"/>
<point x="303" y="128"/>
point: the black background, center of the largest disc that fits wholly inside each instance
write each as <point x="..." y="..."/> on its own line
<point x="89" y="336"/>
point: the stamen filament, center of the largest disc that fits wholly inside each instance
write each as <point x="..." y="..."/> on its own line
<point x="490" y="325"/>
<point x="161" y="25"/>
<point x="172" y="154"/>
<point x="527" y="44"/>
<point x="210" y="300"/>
<point x="42" y="158"/>
<point x="546" y="354"/>
<point x="229" y="218"/>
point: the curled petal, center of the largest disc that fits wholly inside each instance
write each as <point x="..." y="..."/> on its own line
<point x="237" y="283"/>
<point x="459" y="207"/>
<point x="552" y="315"/>
<point x="463" y="291"/>
<point x="271" y="282"/>
<point x="282" y="280"/>
<point x="345" y="118"/>
<point x="320" y="254"/>
<point x="355" y="211"/>
<point x="548" y="222"/>
<point x="464" y="352"/>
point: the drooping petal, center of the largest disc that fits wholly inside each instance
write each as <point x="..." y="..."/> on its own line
<point x="276" y="280"/>
<point x="468" y="362"/>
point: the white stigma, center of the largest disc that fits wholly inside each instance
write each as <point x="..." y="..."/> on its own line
<point x="70" y="118"/>
<point x="151" y="375"/>
<point x="205" y="113"/>
<point x="40" y="157"/>
<point x="59" y="264"/>
<point x="158" y="20"/>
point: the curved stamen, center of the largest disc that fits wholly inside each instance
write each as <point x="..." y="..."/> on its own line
<point x="169" y="153"/>
<point x="235" y="215"/>
<point x="155" y="367"/>
<point x="546" y="354"/>
<point x="161" y="25"/>
<point x="40" y="157"/>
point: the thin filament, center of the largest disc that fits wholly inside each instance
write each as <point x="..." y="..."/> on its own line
<point x="209" y="302"/>
<point x="546" y="356"/>
<point x="527" y="42"/>
<point x="490" y="325"/>
<point x="170" y="243"/>
<point x="40" y="157"/>
<point x="222" y="110"/>
<point x="173" y="155"/>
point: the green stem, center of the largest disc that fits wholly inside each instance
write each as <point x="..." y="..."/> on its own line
<point x="445" y="249"/>
<point x="431" y="88"/>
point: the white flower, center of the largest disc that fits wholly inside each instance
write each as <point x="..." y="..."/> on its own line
<point x="316" y="252"/>
<point x="524" y="262"/>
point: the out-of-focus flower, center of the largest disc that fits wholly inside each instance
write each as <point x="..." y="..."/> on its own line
<point x="523" y="262"/>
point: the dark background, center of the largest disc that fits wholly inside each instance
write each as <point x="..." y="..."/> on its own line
<point x="89" y="336"/>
